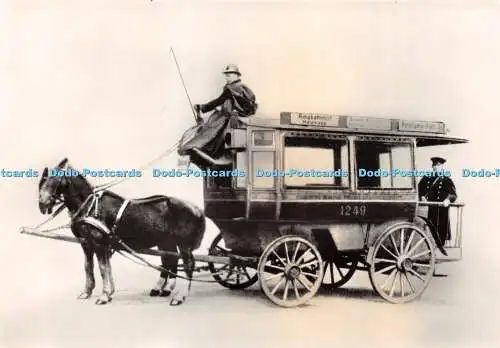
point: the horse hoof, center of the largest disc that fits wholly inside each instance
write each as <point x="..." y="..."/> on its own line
<point x="102" y="301"/>
<point x="84" y="295"/>
<point x="160" y="293"/>
<point x="176" y="302"/>
<point x="165" y="293"/>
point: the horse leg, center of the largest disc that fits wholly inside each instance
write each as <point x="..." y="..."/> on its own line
<point x="189" y="264"/>
<point x="88" y="250"/>
<point x="108" y="288"/>
<point x="110" y="274"/>
<point x="167" y="280"/>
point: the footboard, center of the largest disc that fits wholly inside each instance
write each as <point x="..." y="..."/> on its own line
<point x="453" y="246"/>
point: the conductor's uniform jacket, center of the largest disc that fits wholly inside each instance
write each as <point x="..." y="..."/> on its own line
<point x="437" y="189"/>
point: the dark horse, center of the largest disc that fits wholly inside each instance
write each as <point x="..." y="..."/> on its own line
<point x="166" y="222"/>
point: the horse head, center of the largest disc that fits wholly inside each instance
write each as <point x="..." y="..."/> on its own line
<point x="50" y="188"/>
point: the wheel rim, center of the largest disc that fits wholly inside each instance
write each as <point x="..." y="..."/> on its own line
<point x="290" y="271"/>
<point x="402" y="264"/>
<point x="339" y="272"/>
<point x="230" y="276"/>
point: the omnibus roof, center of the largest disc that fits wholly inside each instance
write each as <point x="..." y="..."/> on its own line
<point x="426" y="133"/>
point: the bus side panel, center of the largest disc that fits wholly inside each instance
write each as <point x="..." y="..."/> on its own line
<point x="364" y="211"/>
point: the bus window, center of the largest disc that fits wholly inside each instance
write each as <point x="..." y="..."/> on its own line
<point x="376" y="161"/>
<point x="316" y="162"/>
<point x="263" y="162"/>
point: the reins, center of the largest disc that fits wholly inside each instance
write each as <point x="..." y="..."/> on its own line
<point x="103" y="187"/>
<point x="162" y="155"/>
<point x="162" y="269"/>
<point x="97" y="192"/>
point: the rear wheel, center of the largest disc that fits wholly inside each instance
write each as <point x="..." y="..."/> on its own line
<point x="402" y="263"/>
<point x="340" y="271"/>
<point x="229" y="276"/>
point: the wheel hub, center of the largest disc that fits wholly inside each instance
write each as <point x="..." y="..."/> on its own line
<point x="404" y="264"/>
<point x="292" y="272"/>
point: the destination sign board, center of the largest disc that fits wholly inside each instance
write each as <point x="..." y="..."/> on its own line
<point x="369" y="123"/>
<point x="421" y="126"/>
<point x="314" y="119"/>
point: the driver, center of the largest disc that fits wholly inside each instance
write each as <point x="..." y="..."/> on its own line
<point x="237" y="100"/>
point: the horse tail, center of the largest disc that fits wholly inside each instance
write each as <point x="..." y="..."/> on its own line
<point x="201" y="230"/>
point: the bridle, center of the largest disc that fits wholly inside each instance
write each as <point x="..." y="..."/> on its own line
<point x="57" y="197"/>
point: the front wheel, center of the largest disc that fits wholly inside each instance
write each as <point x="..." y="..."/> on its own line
<point x="290" y="271"/>
<point x="340" y="271"/>
<point x="230" y="276"/>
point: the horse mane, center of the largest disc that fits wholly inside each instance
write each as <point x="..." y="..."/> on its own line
<point x="91" y="187"/>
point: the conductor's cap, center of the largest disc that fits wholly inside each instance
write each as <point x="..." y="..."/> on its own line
<point x="438" y="160"/>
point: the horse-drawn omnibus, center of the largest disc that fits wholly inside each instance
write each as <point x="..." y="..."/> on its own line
<point x="322" y="196"/>
<point x="347" y="185"/>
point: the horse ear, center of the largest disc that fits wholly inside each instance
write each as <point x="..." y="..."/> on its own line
<point x="44" y="177"/>
<point x="63" y="162"/>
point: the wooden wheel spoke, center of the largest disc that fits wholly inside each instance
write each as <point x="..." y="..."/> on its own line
<point x="409" y="283"/>
<point x="297" y="295"/>
<point x="338" y="269"/>
<point x="302" y="256"/>
<point x="390" y="252"/>
<point x="302" y="280"/>
<point x="401" y="284"/>
<point x="416" y="274"/>
<point x="276" y="287"/>
<point x="246" y="273"/>
<point x="389" y="278"/>
<point x="287" y="256"/>
<point x="421" y="254"/>
<point x="331" y="273"/>
<point x="285" y="292"/>
<point x="394" y="244"/>
<point x="296" y="252"/>
<point x="393" y="286"/>
<point x="385" y="260"/>
<point x="310" y="274"/>
<point x="274" y="276"/>
<point x="276" y="267"/>
<point x="313" y="262"/>
<point x="415" y="247"/>
<point x="402" y="241"/>
<point x="412" y="234"/>
<point x="388" y="268"/>
<point x="421" y="264"/>
<point x="279" y="258"/>
<point x="230" y="273"/>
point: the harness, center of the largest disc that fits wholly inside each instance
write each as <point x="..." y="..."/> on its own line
<point x="95" y="222"/>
